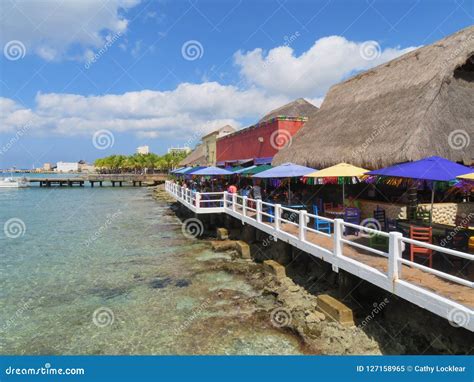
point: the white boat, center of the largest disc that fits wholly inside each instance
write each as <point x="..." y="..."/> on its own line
<point x="13" y="182"/>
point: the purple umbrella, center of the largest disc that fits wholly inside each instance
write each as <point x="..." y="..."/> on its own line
<point x="210" y="171"/>
<point x="431" y="168"/>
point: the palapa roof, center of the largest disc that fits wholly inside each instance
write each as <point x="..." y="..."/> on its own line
<point x="197" y="157"/>
<point x="418" y="105"/>
<point x="224" y="130"/>
<point x="298" y="108"/>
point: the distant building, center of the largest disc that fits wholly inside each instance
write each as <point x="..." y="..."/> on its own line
<point x="209" y="142"/>
<point x="48" y="167"/>
<point x="144" y="150"/>
<point x="84" y="167"/>
<point x="179" y="150"/>
<point x="67" y="167"/>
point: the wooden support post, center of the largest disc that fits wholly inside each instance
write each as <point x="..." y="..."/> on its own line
<point x="140" y="183"/>
<point x="92" y="184"/>
<point x="113" y="183"/>
<point x="120" y="183"/>
<point x="100" y="183"/>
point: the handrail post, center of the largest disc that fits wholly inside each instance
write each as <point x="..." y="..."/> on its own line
<point x="277" y="216"/>
<point x="225" y="199"/>
<point x="259" y="210"/>
<point x="302" y="225"/>
<point x="337" y="250"/>
<point x="182" y="192"/>
<point x="234" y="201"/>
<point x="244" y="206"/>
<point x="198" y="200"/>
<point x="394" y="256"/>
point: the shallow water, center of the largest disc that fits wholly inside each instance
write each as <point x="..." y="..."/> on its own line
<point x="108" y="271"/>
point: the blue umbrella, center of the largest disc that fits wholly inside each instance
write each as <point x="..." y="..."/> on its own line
<point x="432" y="168"/>
<point x="182" y="170"/>
<point x="211" y="171"/>
<point x="176" y="170"/>
<point x="286" y="170"/>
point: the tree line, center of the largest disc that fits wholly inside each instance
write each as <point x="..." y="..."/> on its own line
<point x="138" y="163"/>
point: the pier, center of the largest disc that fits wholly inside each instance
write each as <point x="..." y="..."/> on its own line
<point x="446" y="295"/>
<point x="114" y="180"/>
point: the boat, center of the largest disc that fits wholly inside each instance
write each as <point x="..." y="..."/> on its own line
<point x="13" y="182"/>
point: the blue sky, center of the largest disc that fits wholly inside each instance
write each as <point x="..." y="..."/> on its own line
<point x="76" y="74"/>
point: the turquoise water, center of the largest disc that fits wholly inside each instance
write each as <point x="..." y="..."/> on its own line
<point x="108" y="271"/>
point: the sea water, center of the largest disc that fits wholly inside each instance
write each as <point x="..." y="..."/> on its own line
<point x="109" y="271"/>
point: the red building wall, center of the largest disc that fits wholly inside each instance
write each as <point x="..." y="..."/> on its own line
<point x="245" y="144"/>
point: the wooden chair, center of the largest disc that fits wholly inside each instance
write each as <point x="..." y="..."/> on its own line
<point x="379" y="241"/>
<point x="327" y="206"/>
<point x="319" y="224"/>
<point x="424" y="234"/>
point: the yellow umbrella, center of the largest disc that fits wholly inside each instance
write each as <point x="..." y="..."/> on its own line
<point x="341" y="170"/>
<point x="467" y="176"/>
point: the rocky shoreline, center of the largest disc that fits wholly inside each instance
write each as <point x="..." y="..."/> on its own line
<point x="284" y="305"/>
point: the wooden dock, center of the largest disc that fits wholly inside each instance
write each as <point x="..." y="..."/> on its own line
<point x="119" y="180"/>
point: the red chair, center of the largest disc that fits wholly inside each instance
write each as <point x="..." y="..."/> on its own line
<point x="425" y="235"/>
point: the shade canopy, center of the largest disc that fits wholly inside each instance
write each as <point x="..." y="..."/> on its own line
<point x="431" y="168"/>
<point x="239" y="171"/>
<point x="339" y="170"/>
<point x="256" y="169"/>
<point x="286" y="170"/>
<point x="176" y="169"/>
<point x="211" y="171"/>
<point x="191" y="170"/>
<point x="467" y="176"/>
<point x="182" y="170"/>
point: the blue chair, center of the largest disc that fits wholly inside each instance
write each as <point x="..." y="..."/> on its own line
<point x="271" y="213"/>
<point x="319" y="224"/>
<point x="352" y="215"/>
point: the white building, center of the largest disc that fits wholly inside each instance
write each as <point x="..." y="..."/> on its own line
<point x="67" y="167"/>
<point x="178" y="150"/>
<point x="143" y="150"/>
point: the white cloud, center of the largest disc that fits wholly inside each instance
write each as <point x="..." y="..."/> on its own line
<point x="327" y="62"/>
<point x="53" y="29"/>
<point x="187" y="110"/>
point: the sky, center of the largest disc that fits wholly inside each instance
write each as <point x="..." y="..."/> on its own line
<point x="85" y="79"/>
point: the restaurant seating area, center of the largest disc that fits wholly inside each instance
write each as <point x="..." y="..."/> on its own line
<point x="338" y="192"/>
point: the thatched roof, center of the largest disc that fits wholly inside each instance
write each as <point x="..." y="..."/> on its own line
<point x="223" y="131"/>
<point x="297" y="108"/>
<point x="418" y="105"/>
<point x="197" y="157"/>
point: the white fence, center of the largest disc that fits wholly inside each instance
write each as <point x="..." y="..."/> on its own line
<point x="272" y="218"/>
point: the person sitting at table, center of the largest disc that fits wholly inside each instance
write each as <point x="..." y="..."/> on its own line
<point x="232" y="189"/>
<point x="256" y="191"/>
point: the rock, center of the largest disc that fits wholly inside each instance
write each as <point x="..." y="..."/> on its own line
<point x="336" y="310"/>
<point x="222" y="246"/>
<point x="222" y="234"/>
<point x="312" y="318"/>
<point x="243" y="249"/>
<point x="272" y="267"/>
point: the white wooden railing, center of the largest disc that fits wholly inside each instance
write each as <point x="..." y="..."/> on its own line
<point x="272" y="219"/>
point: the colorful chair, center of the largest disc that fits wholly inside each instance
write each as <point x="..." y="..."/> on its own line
<point x="379" y="241"/>
<point x="424" y="234"/>
<point x="327" y="206"/>
<point x="351" y="215"/>
<point x="319" y="224"/>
